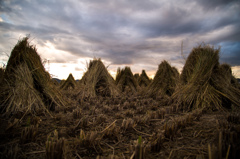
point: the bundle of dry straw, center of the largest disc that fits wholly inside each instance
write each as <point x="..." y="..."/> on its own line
<point x="70" y="83"/>
<point x="55" y="82"/>
<point x="136" y="76"/>
<point x="125" y="80"/>
<point x="1" y="75"/>
<point x="204" y="83"/>
<point x="27" y="87"/>
<point x="164" y="82"/>
<point x="143" y="80"/>
<point x="97" y="81"/>
<point x="226" y="70"/>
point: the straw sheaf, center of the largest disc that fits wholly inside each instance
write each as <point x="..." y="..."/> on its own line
<point x="143" y="80"/>
<point x="1" y="75"/>
<point x="55" y="82"/>
<point x="97" y="81"/>
<point x="69" y="83"/>
<point x="23" y="96"/>
<point x="24" y="57"/>
<point x="164" y="82"/>
<point x="227" y="71"/>
<point x="204" y="83"/>
<point x="125" y="78"/>
<point x="136" y="76"/>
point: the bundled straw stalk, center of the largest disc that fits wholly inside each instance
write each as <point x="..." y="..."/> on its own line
<point x="164" y="82"/>
<point x="23" y="97"/>
<point x="125" y="80"/>
<point x="143" y="80"/>
<point x="227" y="71"/>
<point x="55" y="82"/>
<point x="27" y="87"/>
<point x="136" y="76"/>
<point x="70" y="83"/>
<point x="1" y="75"/>
<point x="204" y="83"/>
<point x="97" y="81"/>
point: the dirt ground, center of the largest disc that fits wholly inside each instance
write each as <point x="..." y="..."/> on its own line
<point x="124" y="127"/>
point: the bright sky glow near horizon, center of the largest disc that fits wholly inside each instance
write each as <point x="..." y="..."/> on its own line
<point x="137" y="33"/>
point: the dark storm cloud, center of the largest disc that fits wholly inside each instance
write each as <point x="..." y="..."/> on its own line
<point x="176" y="20"/>
<point x="124" y="32"/>
<point x="226" y="39"/>
<point x="231" y="54"/>
<point x="41" y="30"/>
<point x="214" y="4"/>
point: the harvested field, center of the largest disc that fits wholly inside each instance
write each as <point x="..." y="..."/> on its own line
<point x="101" y="118"/>
<point x="108" y="127"/>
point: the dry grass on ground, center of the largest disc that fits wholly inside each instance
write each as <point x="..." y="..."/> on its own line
<point x="111" y="127"/>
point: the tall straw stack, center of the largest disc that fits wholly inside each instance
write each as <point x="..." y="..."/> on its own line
<point x="97" y="81"/>
<point x="1" y="75"/>
<point x="136" y="76"/>
<point x="70" y="83"/>
<point x="125" y="80"/>
<point x="164" y="82"/>
<point x="227" y="71"/>
<point x="204" y="83"/>
<point x="143" y="80"/>
<point x="27" y="87"/>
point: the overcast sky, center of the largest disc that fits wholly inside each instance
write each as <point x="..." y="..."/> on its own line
<point x="137" y="33"/>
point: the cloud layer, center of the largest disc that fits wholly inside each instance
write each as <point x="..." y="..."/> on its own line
<point x="138" y="33"/>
